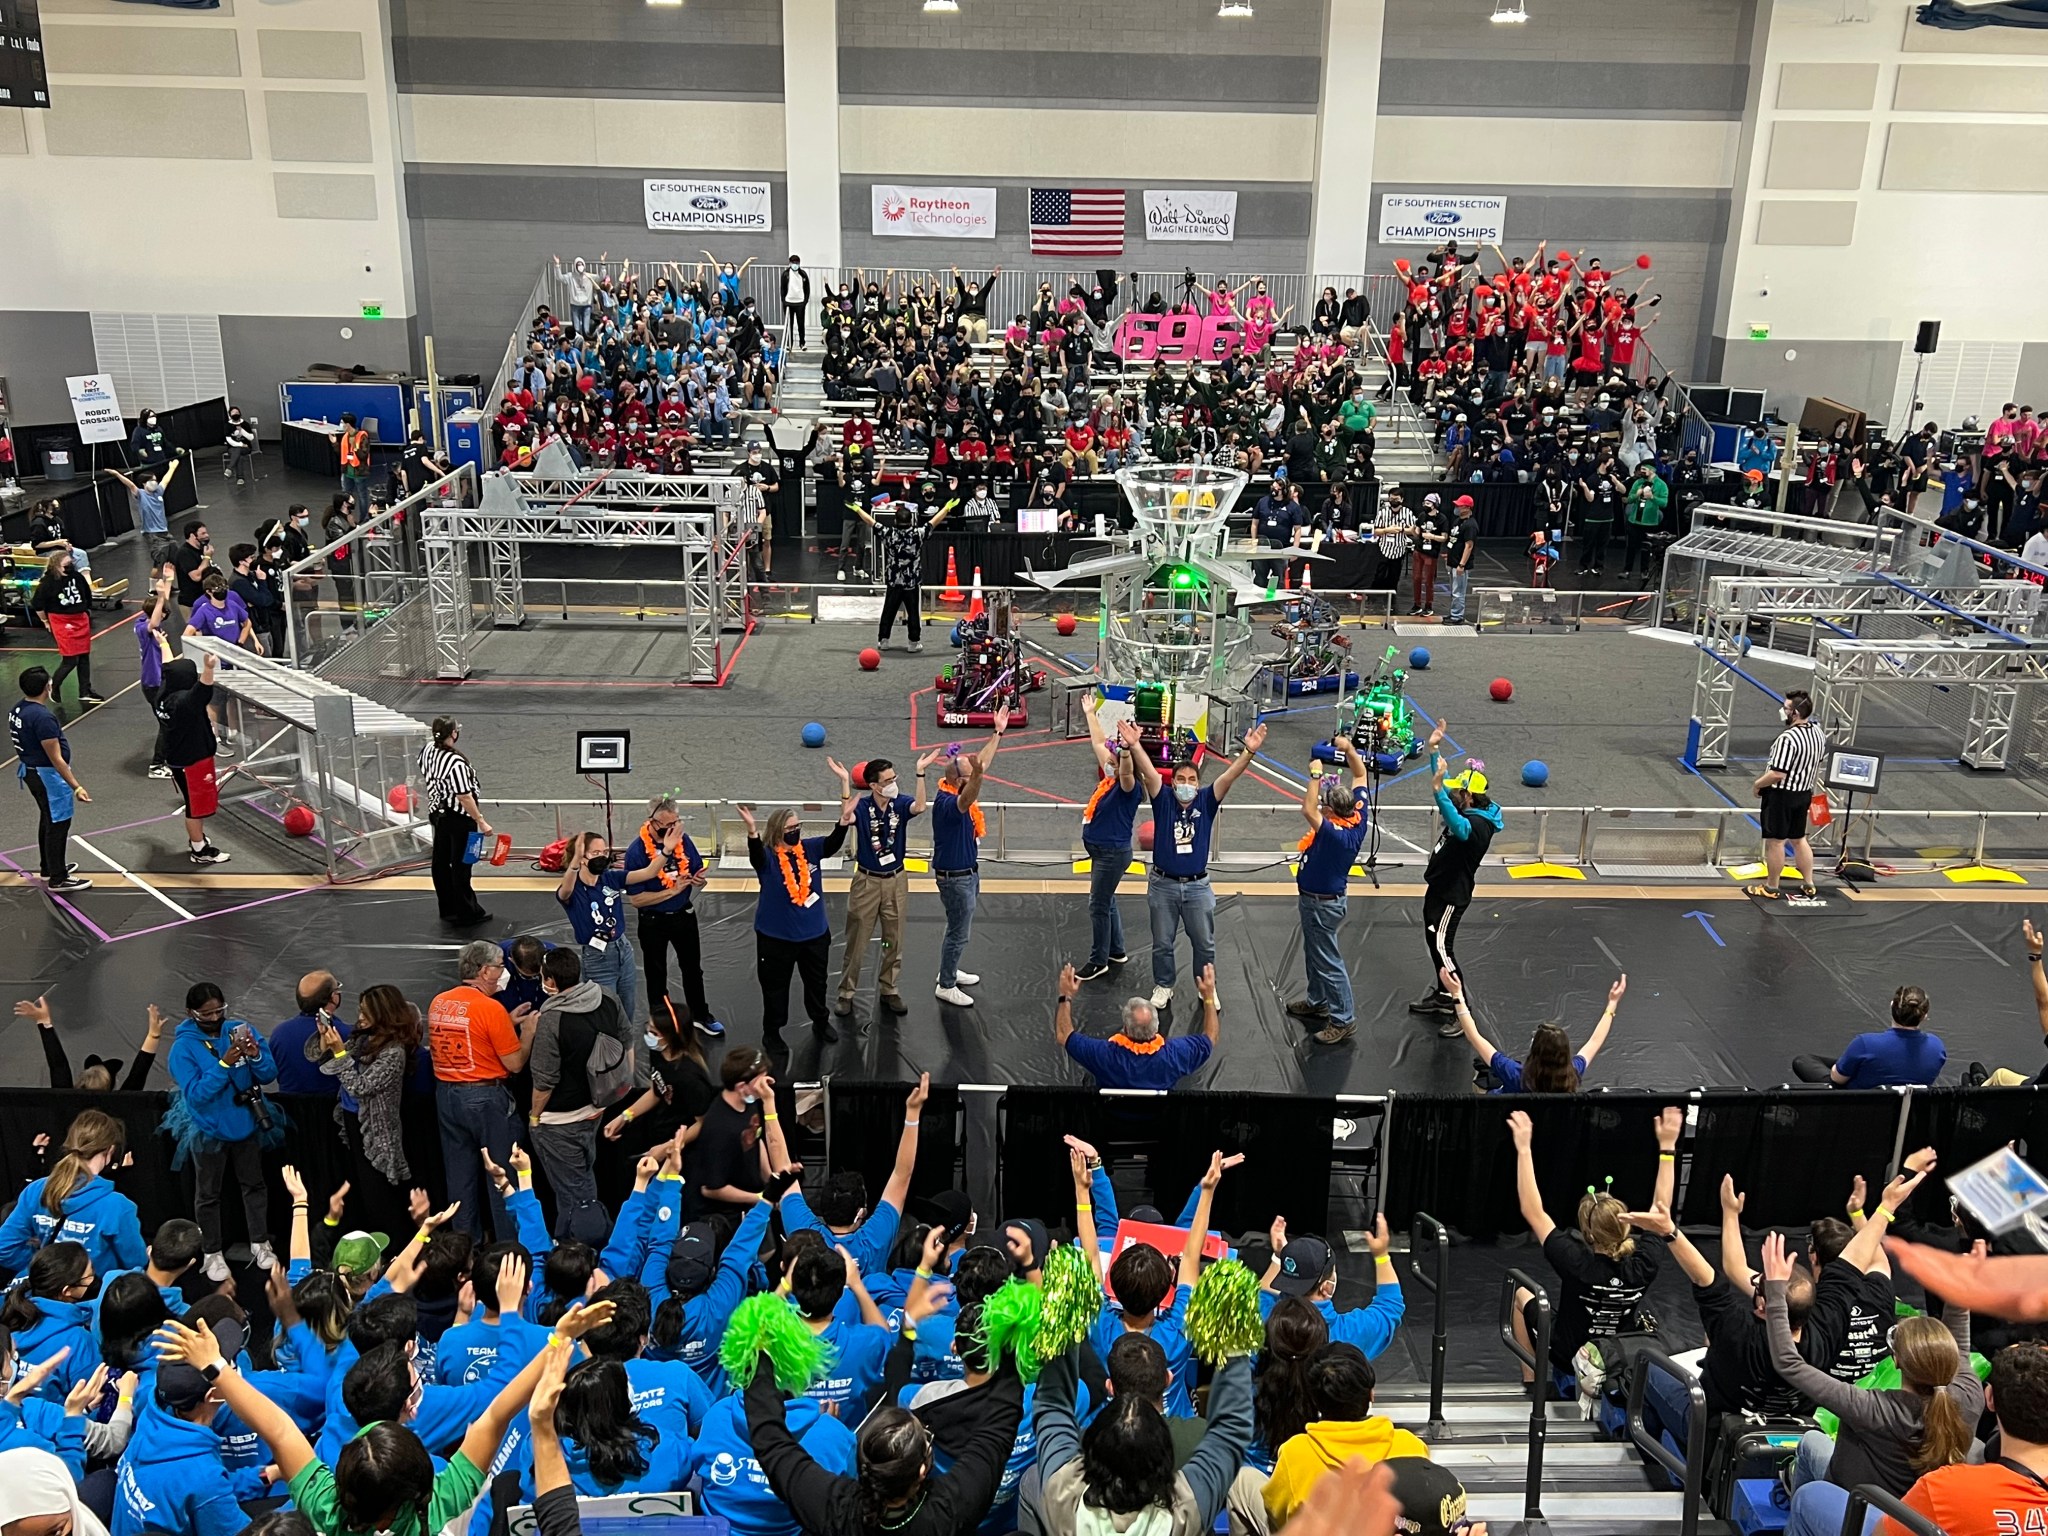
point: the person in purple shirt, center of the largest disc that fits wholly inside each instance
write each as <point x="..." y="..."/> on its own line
<point x="154" y="649"/>
<point x="221" y="614"/>
<point x="1136" y="1056"/>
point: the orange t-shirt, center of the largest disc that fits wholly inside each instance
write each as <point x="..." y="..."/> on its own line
<point x="467" y="1033"/>
<point x="1988" y="1500"/>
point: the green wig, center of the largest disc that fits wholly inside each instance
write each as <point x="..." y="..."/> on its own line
<point x="768" y="1325"/>
<point x="1223" y="1313"/>
<point x="1073" y="1298"/>
<point x="1011" y="1322"/>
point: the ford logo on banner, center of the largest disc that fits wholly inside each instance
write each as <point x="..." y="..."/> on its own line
<point x="707" y="202"/>
<point x="1441" y="216"/>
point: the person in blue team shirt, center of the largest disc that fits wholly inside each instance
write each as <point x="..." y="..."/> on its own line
<point x="1550" y="1066"/>
<point x="838" y="1211"/>
<point x="49" y="1313"/>
<point x="523" y="987"/>
<point x="1303" y="1266"/>
<point x="1136" y="1056"/>
<point x="700" y="1287"/>
<point x="1336" y="831"/>
<point x="67" y="1431"/>
<point x="77" y="1202"/>
<point x="1106" y="826"/>
<point x="736" y="1489"/>
<point x="1907" y="1053"/>
<point x="172" y="1478"/>
<point x="177" y="1246"/>
<point x="1183" y="817"/>
<point x="792" y="930"/>
<point x="818" y="1278"/>
<point x="44" y="766"/>
<point x="667" y="1393"/>
<point x="610" y="1448"/>
<point x="664" y="872"/>
<point x="221" y="1067"/>
<point x="593" y="892"/>
<point x="957" y="826"/>
<point x="467" y="1352"/>
<point x="881" y="887"/>
<point x="295" y="1043"/>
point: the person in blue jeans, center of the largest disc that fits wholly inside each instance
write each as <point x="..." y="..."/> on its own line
<point x="1178" y="894"/>
<point x="1460" y="545"/>
<point x="593" y="893"/>
<point x="1336" y="831"/>
<point x="1106" y="826"/>
<point x="957" y="827"/>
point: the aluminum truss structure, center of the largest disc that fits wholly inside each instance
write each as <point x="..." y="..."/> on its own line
<point x="1992" y="611"/>
<point x="1738" y="541"/>
<point x="704" y="518"/>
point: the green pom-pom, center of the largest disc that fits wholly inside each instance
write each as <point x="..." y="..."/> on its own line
<point x="1072" y="1300"/>
<point x="768" y="1325"/>
<point x="1223" y="1313"/>
<point x="1010" y="1324"/>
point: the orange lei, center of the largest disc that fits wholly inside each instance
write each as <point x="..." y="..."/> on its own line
<point x="662" y="872"/>
<point x="1094" y="800"/>
<point x="1138" y="1047"/>
<point x="1346" y="822"/>
<point x="796" y="881"/>
<point x="973" y="814"/>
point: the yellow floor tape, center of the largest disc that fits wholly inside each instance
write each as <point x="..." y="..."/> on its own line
<point x="1983" y="874"/>
<point x="1539" y="871"/>
<point x="1756" y="872"/>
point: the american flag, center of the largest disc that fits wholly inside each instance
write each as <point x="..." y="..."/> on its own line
<point x="1077" y="221"/>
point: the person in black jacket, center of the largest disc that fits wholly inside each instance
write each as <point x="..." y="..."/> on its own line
<point x="896" y="1490"/>
<point x="1470" y="818"/>
<point x="972" y="304"/>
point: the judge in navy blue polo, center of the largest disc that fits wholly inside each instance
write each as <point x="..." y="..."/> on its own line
<point x="880" y="890"/>
<point x="1183" y="817"/>
<point x="1136" y="1056"/>
<point x="1336" y="830"/>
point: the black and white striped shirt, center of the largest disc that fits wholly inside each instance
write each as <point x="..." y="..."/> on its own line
<point x="1797" y="754"/>
<point x="443" y="776"/>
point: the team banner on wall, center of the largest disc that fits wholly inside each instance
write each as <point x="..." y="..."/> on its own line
<point x="1190" y="215"/>
<point x="935" y="213"/>
<point x="1431" y="218"/>
<point x="95" y="408"/>
<point x="730" y="205"/>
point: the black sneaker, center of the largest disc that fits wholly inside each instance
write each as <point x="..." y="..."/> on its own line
<point x="68" y="884"/>
<point x="1119" y="959"/>
<point x="1433" y="1001"/>
<point x="1976" y="1077"/>
<point x="208" y="855"/>
<point x="1448" y="1029"/>
<point x="1092" y="970"/>
<point x="827" y="1035"/>
<point x="91" y="698"/>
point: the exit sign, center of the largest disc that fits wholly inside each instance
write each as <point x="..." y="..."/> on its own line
<point x="376" y="312"/>
<point x="1756" y="332"/>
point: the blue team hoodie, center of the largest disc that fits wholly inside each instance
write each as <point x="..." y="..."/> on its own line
<point x="41" y="1426"/>
<point x="63" y="1324"/>
<point x="668" y="1466"/>
<point x="208" y="1088"/>
<point x="96" y="1214"/>
<point x="735" y="1488"/>
<point x="444" y="1414"/>
<point x="706" y="1314"/>
<point x="172" y="1480"/>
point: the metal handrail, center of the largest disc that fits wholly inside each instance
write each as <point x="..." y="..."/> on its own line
<point x="1537" y="1359"/>
<point x="1426" y="1229"/>
<point x="1689" y="1468"/>
<point x="1868" y="1496"/>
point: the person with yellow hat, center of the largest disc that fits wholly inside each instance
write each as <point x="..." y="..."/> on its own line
<point x="1470" y="819"/>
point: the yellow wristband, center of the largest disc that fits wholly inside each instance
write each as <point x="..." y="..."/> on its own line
<point x="329" y="1221"/>
<point x="923" y="1273"/>
<point x="909" y="1332"/>
<point x="1859" y="1215"/>
<point x="627" y="1117"/>
<point x="668" y="1178"/>
<point x="1886" y="1212"/>
<point x="127" y="1399"/>
<point x="771" y="1117"/>
<point x="556" y="1340"/>
<point x="425" y="1234"/>
<point x="338" y="1055"/>
<point x="1667" y="1157"/>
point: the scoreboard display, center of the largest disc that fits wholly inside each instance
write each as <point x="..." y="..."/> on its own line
<point x="24" y="82"/>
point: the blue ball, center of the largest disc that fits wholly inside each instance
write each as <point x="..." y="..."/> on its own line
<point x="1419" y="659"/>
<point x="1535" y="773"/>
<point x="1743" y="644"/>
<point x="814" y="735"/>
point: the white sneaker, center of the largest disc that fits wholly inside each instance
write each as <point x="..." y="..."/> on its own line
<point x="263" y="1256"/>
<point x="1161" y="996"/>
<point x="965" y="978"/>
<point x="216" y="1267"/>
<point x="953" y="995"/>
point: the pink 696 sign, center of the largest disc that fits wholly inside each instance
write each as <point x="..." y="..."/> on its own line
<point x="1177" y="337"/>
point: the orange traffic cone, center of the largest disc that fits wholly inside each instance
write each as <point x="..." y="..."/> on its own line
<point x="1286" y="577"/>
<point x="974" y="603"/>
<point x="952" y="594"/>
<point x="1307" y="578"/>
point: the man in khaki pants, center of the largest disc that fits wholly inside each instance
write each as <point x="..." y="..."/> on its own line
<point x="881" y="824"/>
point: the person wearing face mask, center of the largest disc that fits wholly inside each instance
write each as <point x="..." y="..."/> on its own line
<point x="664" y="871"/>
<point x="899" y="539"/>
<point x="957" y="828"/>
<point x="1470" y="819"/>
<point x="796" y="298"/>
<point x="477" y="1046"/>
<point x="1178" y="893"/>
<point x="792" y="929"/>
<point x="1785" y="789"/>
<point x="64" y="598"/>
<point x="449" y="785"/>
<point x="220" y="1118"/>
<point x="592" y="892"/>
<point x="1336" y="830"/>
<point x="881" y="826"/>
<point x="149" y="445"/>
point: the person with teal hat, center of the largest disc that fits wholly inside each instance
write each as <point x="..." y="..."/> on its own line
<point x="1470" y="819"/>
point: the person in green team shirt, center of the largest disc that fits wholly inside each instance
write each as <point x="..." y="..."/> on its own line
<point x="383" y="1481"/>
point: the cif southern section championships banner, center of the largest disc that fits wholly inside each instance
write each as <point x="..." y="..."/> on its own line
<point x="935" y="213"/>
<point x="1190" y="215"/>
<point x="1431" y="218"/>
<point x="732" y="205"/>
<point x="95" y="408"/>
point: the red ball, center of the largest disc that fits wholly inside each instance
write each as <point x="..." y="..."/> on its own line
<point x="870" y="659"/>
<point x="1643" y="262"/>
<point x="860" y="775"/>
<point x="1145" y="835"/>
<point x="298" y="821"/>
<point x="400" y="799"/>
<point x="1064" y="623"/>
<point x="1501" y="689"/>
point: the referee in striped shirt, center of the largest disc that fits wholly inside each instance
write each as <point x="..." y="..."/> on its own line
<point x="450" y="786"/>
<point x="1786" y="789"/>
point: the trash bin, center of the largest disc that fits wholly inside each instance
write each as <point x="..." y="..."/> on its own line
<point x="57" y="459"/>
